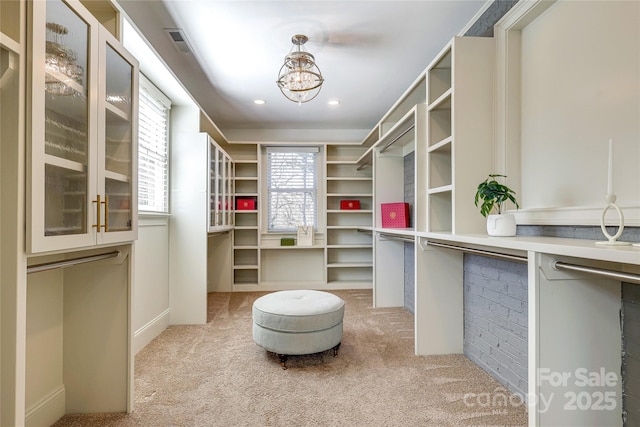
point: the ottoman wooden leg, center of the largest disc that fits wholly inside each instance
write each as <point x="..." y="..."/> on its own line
<point x="335" y="350"/>
<point x="283" y="360"/>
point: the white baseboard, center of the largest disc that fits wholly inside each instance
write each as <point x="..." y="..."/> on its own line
<point x="48" y="410"/>
<point x="148" y="332"/>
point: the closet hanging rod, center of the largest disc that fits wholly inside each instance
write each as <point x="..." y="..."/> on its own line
<point x="364" y="230"/>
<point x="395" y="237"/>
<point x="393" y="141"/>
<point x="362" y="166"/>
<point x="498" y="255"/>
<point x="218" y="233"/>
<point x="70" y="262"/>
<point x="625" y="277"/>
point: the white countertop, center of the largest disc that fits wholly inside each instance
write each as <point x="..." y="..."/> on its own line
<point x="579" y="248"/>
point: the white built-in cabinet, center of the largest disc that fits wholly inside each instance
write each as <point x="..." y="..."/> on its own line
<point x="349" y="245"/>
<point x="12" y="257"/>
<point x="68" y="135"/>
<point x="246" y="253"/>
<point x="81" y="133"/>
<point x="459" y="146"/>
<point x="445" y="120"/>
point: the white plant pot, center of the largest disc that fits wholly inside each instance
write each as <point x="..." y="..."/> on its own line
<point x="503" y="225"/>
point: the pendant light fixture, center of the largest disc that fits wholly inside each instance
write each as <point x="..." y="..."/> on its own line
<point x="60" y="63"/>
<point x="299" y="79"/>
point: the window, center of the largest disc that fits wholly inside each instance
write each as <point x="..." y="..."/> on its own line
<point x="292" y="188"/>
<point x="153" y="149"/>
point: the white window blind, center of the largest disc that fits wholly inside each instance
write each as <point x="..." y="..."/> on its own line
<point x="153" y="149"/>
<point x="292" y="188"/>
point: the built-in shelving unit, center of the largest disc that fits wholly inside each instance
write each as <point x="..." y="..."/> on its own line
<point x="349" y="258"/>
<point x="246" y="232"/>
<point x="459" y="152"/>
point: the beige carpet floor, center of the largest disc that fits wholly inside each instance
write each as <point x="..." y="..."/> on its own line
<point x="215" y="375"/>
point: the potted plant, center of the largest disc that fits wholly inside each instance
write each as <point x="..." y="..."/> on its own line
<point x="494" y="197"/>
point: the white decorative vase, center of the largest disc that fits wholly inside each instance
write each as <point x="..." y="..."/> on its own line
<point x="502" y="225"/>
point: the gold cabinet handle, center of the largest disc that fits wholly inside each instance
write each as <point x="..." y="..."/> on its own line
<point x="106" y="213"/>
<point x="98" y="203"/>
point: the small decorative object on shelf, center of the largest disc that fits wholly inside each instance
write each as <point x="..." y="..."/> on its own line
<point x="349" y="204"/>
<point x="287" y="241"/>
<point x="395" y="215"/>
<point x="611" y="203"/>
<point x="246" y="204"/>
<point x="305" y="235"/>
<point x="494" y="195"/>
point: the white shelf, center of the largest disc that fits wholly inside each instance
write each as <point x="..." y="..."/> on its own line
<point x="117" y="111"/>
<point x="442" y="101"/>
<point x="64" y="163"/>
<point x="342" y="162"/>
<point x="349" y="211"/>
<point x="116" y="176"/>
<point x="442" y="189"/>
<point x="9" y="43"/>
<point x="349" y="264"/>
<point x="347" y="227"/>
<point x="349" y="178"/>
<point x="349" y="246"/>
<point x="446" y="142"/>
<point x="246" y="247"/>
<point x="245" y="267"/>
<point x="289" y="248"/>
<point x="349" y="195"/>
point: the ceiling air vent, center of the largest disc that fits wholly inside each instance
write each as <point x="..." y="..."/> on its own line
<point x="179" y="39"/>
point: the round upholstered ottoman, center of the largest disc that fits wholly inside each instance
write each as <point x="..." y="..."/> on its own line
<point x="298" y="322"/>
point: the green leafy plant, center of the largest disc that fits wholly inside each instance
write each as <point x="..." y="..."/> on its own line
<point x="494" y="195"/>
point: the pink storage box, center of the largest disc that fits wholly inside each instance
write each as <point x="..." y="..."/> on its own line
<point x="395" y="215"/>
<point x="245" y="204"/>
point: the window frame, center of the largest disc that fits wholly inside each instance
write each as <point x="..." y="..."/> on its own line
<point x="159" y="96"/>
<point x="319" y="186"/>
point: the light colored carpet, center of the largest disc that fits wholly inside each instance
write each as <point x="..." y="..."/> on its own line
<point x="215" y="375"/>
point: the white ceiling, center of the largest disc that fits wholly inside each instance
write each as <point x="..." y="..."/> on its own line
<point x="368" y="51"/>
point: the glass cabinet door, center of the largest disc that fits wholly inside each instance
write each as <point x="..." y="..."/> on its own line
<point x="213" y="197"/>
<point x="117" y="130"/>
<point x="62" y="186"/>
<point x="219" y="187"/>
<point x="82" y="131"/>
<point x="229" y="191"/>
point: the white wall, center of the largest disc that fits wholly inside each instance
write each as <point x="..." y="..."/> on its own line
<point x="188" y="226"/>
<point x="151" y="284"/>
<point x="581" y="87"/>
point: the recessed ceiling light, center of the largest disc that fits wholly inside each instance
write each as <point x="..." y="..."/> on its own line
<point x="334" y="102"/>
<point x="259" y="101"/>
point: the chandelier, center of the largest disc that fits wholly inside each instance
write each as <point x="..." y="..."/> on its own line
<point x="299" y="79"/>
<point x="60" y="63"/>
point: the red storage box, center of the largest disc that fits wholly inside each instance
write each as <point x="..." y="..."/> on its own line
<point x="246" y="204"/>
<point x="395" y="215"/>
<point x="349" y="204"/>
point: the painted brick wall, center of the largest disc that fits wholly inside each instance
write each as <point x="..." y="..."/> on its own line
<point x="631" y="353"/>
<point x="495" y="319"/>
<point x="483" y="27"/>
<point x="409" y="248"/>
